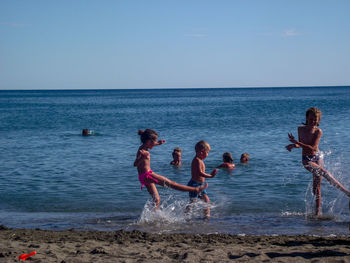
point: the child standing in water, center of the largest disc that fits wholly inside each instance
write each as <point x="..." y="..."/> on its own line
<point x="202" y="149"/>
<point x="176" y="157"/>
<point x="309" y="136"/>
<point x="147" y="177"/>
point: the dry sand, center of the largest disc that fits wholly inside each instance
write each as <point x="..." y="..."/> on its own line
<point x="135" y="246"/>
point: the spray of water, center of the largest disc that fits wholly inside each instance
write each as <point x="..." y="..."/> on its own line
<point x="172" y="210"/>
<point x="172" y="215"/>
<point x="335" y="205"/>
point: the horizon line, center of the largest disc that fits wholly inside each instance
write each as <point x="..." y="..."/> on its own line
<point x="249" y="87"/>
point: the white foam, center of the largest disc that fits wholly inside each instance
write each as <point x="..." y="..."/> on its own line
<point x="171" y="211"/>
<point x="287" y="213"/>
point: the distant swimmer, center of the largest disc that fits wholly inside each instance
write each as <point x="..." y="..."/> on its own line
<point x="245" y="158"/>
<point x="309" y="136"/>
<point x="227" y="161"/>
<point x="87" y="132"/>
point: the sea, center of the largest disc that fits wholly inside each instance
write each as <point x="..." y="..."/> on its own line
<point x="52" y="177"/>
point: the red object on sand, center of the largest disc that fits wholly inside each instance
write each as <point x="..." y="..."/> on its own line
<point x="26" y="256"/>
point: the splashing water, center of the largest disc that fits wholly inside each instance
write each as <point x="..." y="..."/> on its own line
<point x="172" y="211"/>
<point x="172" y="214"/>
<point x="169" y="211"/>
<point x="333" y="206"/>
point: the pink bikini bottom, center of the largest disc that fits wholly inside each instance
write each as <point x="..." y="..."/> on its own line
<point x="146" y="175"/>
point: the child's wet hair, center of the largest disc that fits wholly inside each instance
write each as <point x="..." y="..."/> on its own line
<point x="227" y="157"/>
<point x="177" y="150"/>
<point x="147" y="134"/>
<point x="313" y="110"/>
<point x="245" y="155"/>
<point x="202" y="145"/>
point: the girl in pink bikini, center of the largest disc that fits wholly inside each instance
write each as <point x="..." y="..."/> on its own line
<point x="147" y="177"/>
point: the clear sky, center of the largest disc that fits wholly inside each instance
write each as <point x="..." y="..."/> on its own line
<point x="127" y="44"/>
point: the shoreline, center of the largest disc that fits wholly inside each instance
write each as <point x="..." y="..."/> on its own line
<point x="123" y="246"/>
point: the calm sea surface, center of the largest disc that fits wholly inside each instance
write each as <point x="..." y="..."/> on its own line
<point x="51" y="177"/>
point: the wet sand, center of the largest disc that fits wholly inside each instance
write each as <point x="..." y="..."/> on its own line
<point x="135" y="246"/>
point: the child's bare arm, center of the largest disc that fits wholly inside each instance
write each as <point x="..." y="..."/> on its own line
<point x="211" y="175"/>
<point x="160" y="142"/>
<point x="312" y="147"/>
<point x="214" y="172"/>
<point x="289" y="147"/>
<point x="201" y="170"/>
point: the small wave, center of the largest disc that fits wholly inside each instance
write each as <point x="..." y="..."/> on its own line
<point x="287" y="213"/>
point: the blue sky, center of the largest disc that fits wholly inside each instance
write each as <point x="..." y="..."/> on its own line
<point x="127" y="44"/>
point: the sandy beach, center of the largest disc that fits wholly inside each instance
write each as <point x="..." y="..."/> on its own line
<point x="135" y="246"/>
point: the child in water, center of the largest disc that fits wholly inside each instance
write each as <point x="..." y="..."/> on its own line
<point x="244" y="158"/>
<point x="227" y="161"/>
<point x="147" y="177"/>
<point x="309" y="136"/>
<point x="176" y="157"/>
<point x="202" y="149"/>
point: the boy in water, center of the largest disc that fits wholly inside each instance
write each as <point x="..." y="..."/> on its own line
<point x="202" y="149"/>
<point x="176" y="157"/>
<point x="309" y="138"/>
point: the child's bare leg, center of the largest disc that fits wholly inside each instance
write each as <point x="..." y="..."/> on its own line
<point x="317" y="193"/>
<point x="334" y="181"/>
<point x="163" y="181"/>
<point x="206" y="199"/>
<point x="188" y="207"/>
<point x="152" y="189"/>
<point x="318" y="170"/>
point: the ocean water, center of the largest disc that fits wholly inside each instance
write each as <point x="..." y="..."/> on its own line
<point x="51" y="177"/>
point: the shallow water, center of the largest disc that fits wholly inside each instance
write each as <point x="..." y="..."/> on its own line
<point x="54" y="178"/>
